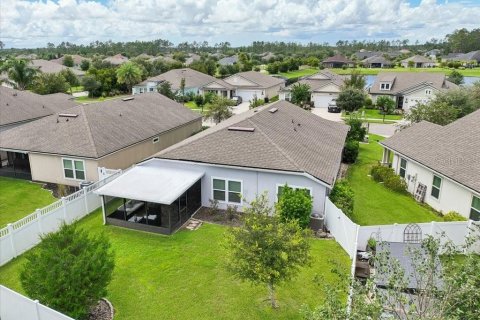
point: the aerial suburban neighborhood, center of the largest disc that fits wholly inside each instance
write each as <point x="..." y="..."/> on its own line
<point x="237" y="160"/>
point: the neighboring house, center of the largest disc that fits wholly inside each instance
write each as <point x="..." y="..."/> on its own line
<point x="251" y="84"/>
<point x="228" y="61"/>
<point x="68" y="147"/>
<point x="409" y="88"/>
<point x="418" y="62"/>
<point x="472" y="57"/>
<point x="46" y="66"/>
<point x="440" y="164"/>
<point x="77" y="60"/>
<point x="376" y="62"/>
<point x="337" y="61"/>
<point x="192" y="57"/>
<point x="433" y="54"/>
<point x="116" y="60"/>
<point x="231" y="163"/>
<point x="267" y="56"/>
<point x="363" y="54"/>
<point x="451" y="56"/>
<point x="324" y="86"/>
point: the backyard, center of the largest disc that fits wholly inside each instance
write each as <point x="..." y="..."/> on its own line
<point x="19" y="198"/>
<point x="182" y="276"/>
<point x="374" y="203"/>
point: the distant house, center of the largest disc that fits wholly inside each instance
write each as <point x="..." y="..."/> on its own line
<point x="267" y="56"/>
<point x="337" y="61"/>
<point x="257" y="151"/>
<point x="69" y="146"/>
<point x="433" y="54"/>
<point x="409" y="88"/>
<point x="470" y="58"/>
<point x="116" y="60"/>
<point x="228" y="61"/>
<point x="251" y="84"/>
<point x="440" y="164"/>
<point x="46" y="66"/>
<point x="364" y="54"/>
<point x="324" y="87"/>
<point x="451" y="56"/>
<point x="376" y="62"/>
<point x="418" y="62"/>
<point x="77" y="60"/>
<point x="192" y="57"/>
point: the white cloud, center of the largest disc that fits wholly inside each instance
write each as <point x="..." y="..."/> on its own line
<point x="34" y="23"/>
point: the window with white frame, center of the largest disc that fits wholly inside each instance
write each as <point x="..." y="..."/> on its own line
<point x="475" y="210"/>
<point x="436" y="185"/>
<point x="225" y="190"/>
<point x="428" y="92"/>
<point x="281" y="187"/>
<point x="74" y="169"/>
<point x="384" y="86"/>
<point x="403" y="167"/>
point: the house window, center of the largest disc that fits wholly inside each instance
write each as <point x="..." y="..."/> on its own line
<point x="156" y="139"/>
<point x="428" y="92"/>
<point x="382" y="86"/>
<point x="74" y="169"/>
<point x="229" y="191"/>
<point x="151" y="89"/>
<point x="475" y="211"/>
<point x="403" y="167"/>
<point x="385" y="86"/>
<point x="436" y="184"/>
<point x="281" y="187"/>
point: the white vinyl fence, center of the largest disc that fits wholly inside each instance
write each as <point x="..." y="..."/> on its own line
<point x="24" y="234"/>
<point x="14" y="306"/>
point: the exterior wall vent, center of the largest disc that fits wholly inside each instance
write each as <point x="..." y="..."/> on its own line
<point x="68" y="115"/>
<point x="242" y="129"/>
<point x="127" y="98"/>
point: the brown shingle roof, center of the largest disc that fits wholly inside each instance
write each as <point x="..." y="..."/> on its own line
<point x="52" y="67"/>
<point x="317" y="84"/>
<point x="77" y="59"/>
<point x="263" y="81"/>
<point x="452" y="150"/>
<point x="116" y="59"/>
<point x="406" y="80"/>
<point x="100" y="128"/>
<point x="337" y="58"/>
<point x="290" y="139"/>
<point x="419" y="59"/>
<point x="193" y="78"/>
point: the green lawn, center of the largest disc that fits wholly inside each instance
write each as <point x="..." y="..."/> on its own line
<point x="375" y="204"/>
<point x="475" y="72"/>
<point x="183" y="277"/>
<point x="99" y="99"/>
<point x="193" y="106"/>
<point x="77" y="89"/>
<point x="375" y="114"/>
<point x="299" y="73"/>
<point x="19" y="198"/>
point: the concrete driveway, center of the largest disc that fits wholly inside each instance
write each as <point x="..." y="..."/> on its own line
<point x="384" y="130"/>
<point x="323" y="112"/>
<point x="242" y="107"/>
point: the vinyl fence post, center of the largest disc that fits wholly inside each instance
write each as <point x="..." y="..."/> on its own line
<point x="12" y="242"/>
<point x="86" y="200"/>
<point x="37" y="309"/>
<point x="432" y="228"/>
<point x="64" y="206"/>
<point x="39" y="221"/>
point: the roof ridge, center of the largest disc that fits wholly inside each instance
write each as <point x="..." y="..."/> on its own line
<point x="89" y="131"/>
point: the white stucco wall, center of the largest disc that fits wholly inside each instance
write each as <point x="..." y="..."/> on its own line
<point x="418" y="96"/>
<point x="253" y="182"/>
<point x="453" y="197"/>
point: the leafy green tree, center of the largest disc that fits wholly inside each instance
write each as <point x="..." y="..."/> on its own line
<point x="68" y="60"/>
<point x="70" y="271"/>
<point x="300" y="94"/>
<point x="410" y="64"/>
<point x="19" y="73"/>
<point x="129" y="74"/>
<point x="351" y="99"/>
<point x="199" y="101"/>
<point x="182" y="87"/>
<point x="456" y="77"/>
<point x="165" y="88"/>
<point x="440" y="113"/>
<point x="342" y="196"/>
<point x="70" y="78"/>
<point x="265" y="250"/>
<point x="91" y="85"/>
<point x="85" y="65"/>
<point x="356" y="80"/>
<point x="220" y="108"/>
<point x="47" y="83"/>
<point x="350" y="151"/>
<point x="295" y="204"/>
<point x="386" y="104"/>
<point x="357" y="131"/>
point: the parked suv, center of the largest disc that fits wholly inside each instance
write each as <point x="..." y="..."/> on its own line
<point x="333" y="108"/>
<point x="237" y="100"/>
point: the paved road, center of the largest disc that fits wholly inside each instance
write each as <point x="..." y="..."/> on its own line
<point x="385" y="130"/>
<point x="323" y="112"/>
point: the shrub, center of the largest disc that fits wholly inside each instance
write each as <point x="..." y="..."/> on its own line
<point x="396" y="183"/>
<point x="454" y="216"/>
<point x="357" y="131"/>
<point x="369" y="103"/>
<point x="381" y="173"/>
<point x="231" y="212"/>
<point x="342" y="196"/>
<point x="350" y="151"/>
<point x="295" y="204"/>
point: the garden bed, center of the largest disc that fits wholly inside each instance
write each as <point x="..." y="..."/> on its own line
<point x="102" y="311"/>
<point x="219" y="216"/>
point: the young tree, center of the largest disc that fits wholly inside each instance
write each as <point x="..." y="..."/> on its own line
<point x="295" y="204"/>
<point x="455" y="77"/>
<point x="165" y="88"/>
<point x="70" y="270"/>
<point x="386" y="104"/>
<point x="47" y="83"/>
<point x="440" y="113"/>
<point x="129" y="74"/>
<point x="91" y="85"/>
<point x="85" y="65"/>
<point x="68" y="60"/>
<point x="265" y="250"/>
<point x="356" y="80"/>
<point x="410" y="64"/>
<point x="220" y="108"/>
<point x="199" y="101"/>
<point x="351" y="99"/>
<point x="300" y="94"/>
<point x="19" y="72"/>
<point x="182" y="87"/>
<point x="70" y="77"/>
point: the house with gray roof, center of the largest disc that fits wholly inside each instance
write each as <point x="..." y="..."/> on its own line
<point x="116" y="60"/>
<point x="252" y="84"/>
<point x="325" y="87"/>
<point x="337" y="61"/>
<point x="377" y="62"/>
<point x="70" y="145"/>
<point x="418" y="62"/>
<point x="257" y="151"/>
<point x="228" y="61"/>
<point x="364" y="54"/>
<point x="440" y="163"/>
<point x="77" y="60"/>
<point x="409" y="88"/>
<point x="46" y="66"/>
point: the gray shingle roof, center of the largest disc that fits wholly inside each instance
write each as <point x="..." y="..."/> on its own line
<point x="263" y="81"/>
<point x="53" y="67"/>
<point x="116" y="59"/>
<point x="337" y="58"/>
<point x="77" y="59"/>
<point x="377" y="59"/>
<point x="291" y="139"/>
<point x="228" y="60"/>
<point x="452" y="150"/>
<point x="193" y="78"/>
<point x="19" y="106"/>
<point x="317" y="84"/>
<point x="100" y="128"/>
<point x="419" y="59"/>
<point x="405" y="80"/>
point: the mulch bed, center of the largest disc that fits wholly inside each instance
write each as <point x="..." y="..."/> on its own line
<point x="102" y="311"/>
<point x="219" y="216"/>
<point x="53" y="187"/>
<point x="342" y="173"/>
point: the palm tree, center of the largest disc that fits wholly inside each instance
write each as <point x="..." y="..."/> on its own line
<point x="130" y="74"/>
<point x="20" y="74"/>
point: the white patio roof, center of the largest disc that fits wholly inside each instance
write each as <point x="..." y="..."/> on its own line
<point x="158" y="185"/>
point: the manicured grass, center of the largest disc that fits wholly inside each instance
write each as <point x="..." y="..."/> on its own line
<point x="299" y="73"/>
<point x="77" y="89"/>
<point x="475" y="72"/>
<point x="183" y="277"/>
<point x="375" y="114"/>
<point x="19" y="198"/>
<point x="99" y="99"/>
<point x="374" y="203"/>
<point x="193" y="106"/>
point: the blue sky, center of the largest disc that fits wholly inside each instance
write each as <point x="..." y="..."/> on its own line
<point x="34" y="23"/>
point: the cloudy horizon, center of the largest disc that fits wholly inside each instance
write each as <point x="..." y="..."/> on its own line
<point x="34" y="23"/>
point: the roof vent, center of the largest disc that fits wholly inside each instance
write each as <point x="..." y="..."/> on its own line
<point x="127" y="98"/>
<point x="273" y="110"/>
<point x="243" y="129"/>
<point x="68" y="115"/>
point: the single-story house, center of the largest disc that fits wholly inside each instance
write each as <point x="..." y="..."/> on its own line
<point x="257" y="151"/>
<point x="377" y="62"/>
<point x="418" y="62"/>
<point x="452" y="56"/>
<point x="46" y="66"/>
<point x="77" y="60"/>
<point x="409" y="88"/>
<point x="251" y="84"/>
<point x="69" y="146"/>
<point x="116" y="60"/>
<point x="324" y="87"/>
<point x="337" y="61"/>
<point x="433" y="54"/>
<point x="192" y="57"/>
<point x="228" y="61"/>
<point x="470" y="58"/>
<point x="364" y="54"/>
<point x="440" y="163"/>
